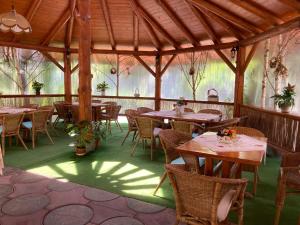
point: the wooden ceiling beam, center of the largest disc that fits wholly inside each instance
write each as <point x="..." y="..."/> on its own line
<point x="75" y="68"/>
<point x="250" y="55"/>
<point x="279" y="29"/>
<point x="57" y="27"/>
<point x="30" y="46"/>
<point x="151" y="34"/>
<point x="187" y="33"/>
<point x="53" y="60"/>
<point x="226" y="60"/>
<point x="145" y="65"/>
<point x="70" y="25"/>
<point x="227" y="15"/>
<point x="135" y="32"/>
<point x="200" y="48"/>
<point x="140" y="11"/>
<point x="292" y="3"/>
<point x="259" y="11"/>
<point x="226" y="25"/>
<point x="121" y="52"/>
<point x="168" y="64"/>
<point x="108" y="23"/>
<point x="207" y="27"/>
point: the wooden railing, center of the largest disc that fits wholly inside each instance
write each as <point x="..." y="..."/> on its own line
<point x="281" y="129"/>
<point x="20" y="100"/>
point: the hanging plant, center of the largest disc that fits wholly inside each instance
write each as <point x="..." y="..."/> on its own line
<point x="273" y="62"/>
<point x="192" y="71"/>
<point x="113" y="71"/>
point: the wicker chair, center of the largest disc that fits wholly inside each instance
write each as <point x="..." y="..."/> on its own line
<point x="148" y="129"/>
<point x="30" y="106"/>
<point x="10" y="126"/>
<point x="62" y="112"/>
<point x="75" y="113"/>
<point x="289" y="179"/>
<point x="169" y="140"/>
<point x="111" y="103"/>
<point x="223" y="124"/>
<point x="205" y="200"/>
<point x="111" y="114"/>
<point x="142" y="110"/>
<point x="96" y="101"/>
<point x="38" y="124"/>
<point x="249" y="168"/>
<point x="183" y="126"/>
<point x="51" y="109"/>
<point x="210" y="111"/>
<point x="188" y="110"/>
<point x="132" y="127"/>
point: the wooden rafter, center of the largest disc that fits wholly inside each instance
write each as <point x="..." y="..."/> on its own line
<point x="145" y="65"/>
<point x="57" y="27"/>
<point x="208" y="28"/>
<point x="258" y="10"/>
<point x="142" y="13"/>
<point x="135" y="32"/>
<point x="75" y="68"/>
<point x="187" y="33"/>
<point x="30" y="46"/>
<point x="70" y="26"/>
<point x="52" y="59"/>
<point x="292" y="3"/>
<point x="168" y="64"/>
<point x="226" y="60"/>
<point x="108" y="23"/>
<point x="227" y="15"/>
<point x="250" y="55"/>
<point x="279" y="29"/>
<point x="226" y="25"/>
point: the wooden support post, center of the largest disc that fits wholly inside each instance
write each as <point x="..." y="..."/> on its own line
<point x="157" y="82"/>
<point x="239" y="81"/>
<point x="67" y="78"/>
<point x="85" y="78"/>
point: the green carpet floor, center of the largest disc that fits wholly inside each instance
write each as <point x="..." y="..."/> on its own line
<point x="111" y="168"/>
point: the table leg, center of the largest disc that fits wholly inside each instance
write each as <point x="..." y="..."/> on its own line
<point x="208" y="169"/>
<point x="226" y="166"/>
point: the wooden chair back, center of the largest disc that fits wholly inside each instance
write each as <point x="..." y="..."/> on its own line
<point x="197" y="197"/>
<point x="49" y="108"/>
<point x="11" y="124"/>
<point x="30" y="106"/>
<point x="40" y="119"/>
<point x="183" y="126"/>
<point x="210" y="111"/>
<point x="61" y="109"/>
<point x="142" y="110"/>
<point x="252" y="132"/>
<point x="130" y="115"/>
<point x="170" y="139"/>
<point x="223" y="124"/>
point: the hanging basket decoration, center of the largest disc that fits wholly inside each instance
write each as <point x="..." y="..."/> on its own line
<point x="192" y="71"/>
<point x="273" y="62"/>
<point x="113" y="71"/>
<point x="281" y="70"/>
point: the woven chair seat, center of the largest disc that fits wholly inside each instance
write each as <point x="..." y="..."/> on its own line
<point x="27" y="124"/>
<point x="293" y="179"/>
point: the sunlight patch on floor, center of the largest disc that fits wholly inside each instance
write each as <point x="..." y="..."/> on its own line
<point x="124" y="169"/>
<point x="105" y="167"/>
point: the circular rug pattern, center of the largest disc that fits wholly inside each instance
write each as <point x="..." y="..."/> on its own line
<point x="6" y="189"/>
<point x="69" y="215"/>
<point x="143" y="207"/>
<point x="10" y="170"/>
<point x="57" y="185"/>
<point x="25" y="204"/>
<point x="122" y="221"/>
<point x="26" y="178"/>
<point x="99" y="195"/>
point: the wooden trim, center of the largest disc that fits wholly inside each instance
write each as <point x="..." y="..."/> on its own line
<point x="200" y="48"/>
<point x="70" y="25"/>
<point x="151" y="33"/>
<point x="121" y="52"/>
<point x="200" y="102"/>
<point x="32" y="96"/>
<point x="293" y="116"/>
<point x="208" y="28"/>
<point x="226" y="60"/>
<point x="226" y="25"/>
<point x="186" y="32"/>
<point x="135" y="32"/>
<point x="29" y="46"/>
<point x="136" y="7"/>
<point x="75" y="68"/>
<point x="250" y="56"/>
<point x="227" y="15"/>
<point x="57" y="27"/>
<point x="53" y="60"/>
<point x="259" y="11"/>
<point x="108" y="23"/>
<point x="279" y="29"/>
<point x="145" y="65"/>
<point x="292" y="3"/>
<point x="168" y="64"/>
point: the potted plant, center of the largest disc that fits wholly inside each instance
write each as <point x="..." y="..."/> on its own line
<point x="37" y="86"/>
<point x="179" y="106"/>
<point x="101" y="87"/>
<point x="286" y="100"/>
<point x="87" y="135"/>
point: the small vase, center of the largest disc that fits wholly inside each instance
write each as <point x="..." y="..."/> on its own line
<point x="103" y="93"/>
<point x="285" y="108"/>
<point x="38" y="92"/>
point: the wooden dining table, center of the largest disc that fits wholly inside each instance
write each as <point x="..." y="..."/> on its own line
<point x="245" y="150"/>
<point x="186" y="116"/>
<point x="14" y="110"/>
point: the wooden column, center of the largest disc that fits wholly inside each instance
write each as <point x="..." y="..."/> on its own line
<point x="67" y="78"/>
<point x="85" y="78"/>
<point x="157" y="82"/>
<point x="239" y="80"/>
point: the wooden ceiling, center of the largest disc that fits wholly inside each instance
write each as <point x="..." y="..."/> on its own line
<point x="150" y="25"/>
